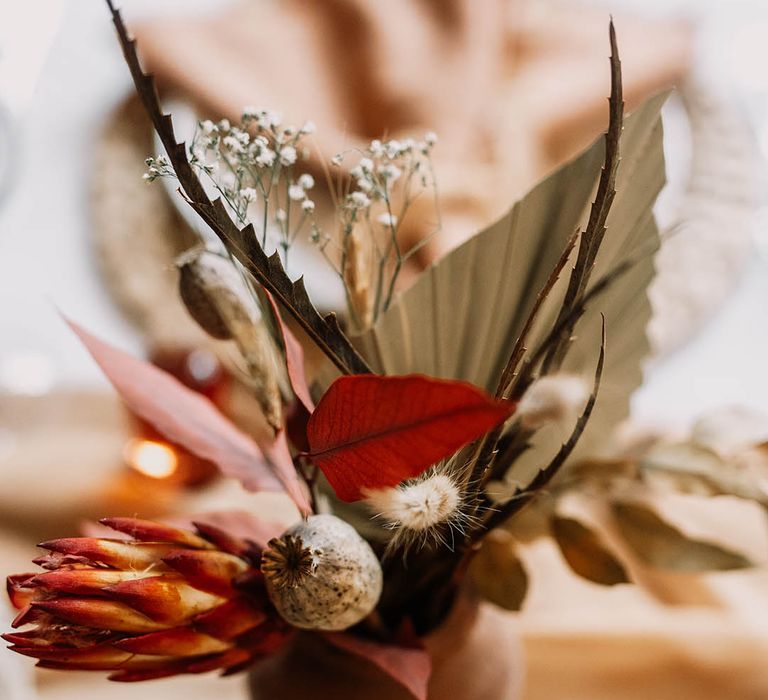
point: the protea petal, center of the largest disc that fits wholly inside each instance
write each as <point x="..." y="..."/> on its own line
<point x="150" y="531"/>
<point x="170" y="665"/>
<point x="165" y="602"/>
<point x="212" y="571"/>
<point x="231" y="619"/>
<point x="20" y="592"/>
<point x="99" y="613"/>
<point x="150" y="668"/>
<point x="178" y="641"/>
<point x="29" y="614"/>
<point x="120" y="554"/>
<point x="167" y="599"/>
<point x="98" y="657"/>
<point x="229" y="658"/>
<point x="223" y="540"/>
<point x="83" y="581"/>
<point x="56" y="560"/>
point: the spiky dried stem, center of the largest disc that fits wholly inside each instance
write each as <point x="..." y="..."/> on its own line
<point x="595" y="230"/>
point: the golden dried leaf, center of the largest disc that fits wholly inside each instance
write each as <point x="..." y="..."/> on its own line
<point x="661" y="545"/>
<point x="586" y="554"/>
<point x="497" y="572"/>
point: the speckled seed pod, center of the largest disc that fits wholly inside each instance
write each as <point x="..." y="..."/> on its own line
<point x="322" y="575"/>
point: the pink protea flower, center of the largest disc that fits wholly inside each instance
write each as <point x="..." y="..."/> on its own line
<point x="164" y="602"/>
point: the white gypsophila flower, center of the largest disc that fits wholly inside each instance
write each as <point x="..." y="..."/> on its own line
<point x="248" y="194"/>
<point x="417" y="506"/>
<point x="387" y="219"/>
<point x="250" y="112"/>
<point x="308" y="128"/>
<point x="389" y="172"/>
<point x="296" y="193"/>
<point x="275" y="119"/>
<point x="365" y="185"/>
<point x="357" y="172"/>
<point x="430" y="138"/>
<point x="376" y="149"/>
<point x="266" y="158"/>
<point x="337" y="159"/>
<point x="359" y="200"/>
<point x="392" y="148"/>
<point x="280" y="215"/>
<point x="242" y="136"/>
<point x="306" y="181"/>
<point x="208" y="127"/>
<point x="554" y="398"/>
<point x="308" y="206"/>
<point x="366" y="164"/>
<point x="289" y="131"/>
<point x="267" y="119"/>
<point x="288" y="155"/>
<point x="233" y="144"/>
<point x="224" y="125"/>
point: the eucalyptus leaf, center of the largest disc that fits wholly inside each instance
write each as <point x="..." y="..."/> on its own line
<point x="586" y="554"/>
<point x="661" y="545"/>
<point x="497" y="572"/>
<point x="692" y="468"/>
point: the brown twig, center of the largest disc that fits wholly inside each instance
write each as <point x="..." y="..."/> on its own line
<point x="515" y="357"/>
<point x="595" y="230"/>
<point x="523" y="496"/>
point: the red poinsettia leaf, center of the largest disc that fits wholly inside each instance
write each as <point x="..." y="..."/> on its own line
<point x="294" y="359"/>
<point x="411" y="667"/>
<point x="192" y="421"/>
<point x="372" y="432"/>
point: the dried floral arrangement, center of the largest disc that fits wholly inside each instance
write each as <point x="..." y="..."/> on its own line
<point x="421" y="458"/>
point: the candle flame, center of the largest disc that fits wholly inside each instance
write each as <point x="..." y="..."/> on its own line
<point x="151" y="458"/>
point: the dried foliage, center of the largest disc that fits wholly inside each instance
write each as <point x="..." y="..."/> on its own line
<point x="422" y="451"/>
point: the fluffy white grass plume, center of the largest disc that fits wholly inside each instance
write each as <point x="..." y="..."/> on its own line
<point x="419" y="511"/>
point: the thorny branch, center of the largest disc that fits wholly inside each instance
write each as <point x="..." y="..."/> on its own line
<point x="595" y="230"/>
<point x="545" y="475"/>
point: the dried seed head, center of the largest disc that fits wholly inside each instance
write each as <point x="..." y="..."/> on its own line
<point x="554" y="398"/>
<point x="322" y="575"/>
<point x="358" y="275"/>
<point x="287" y="562"/>
<point x="199" y="276"/>
<point x="219" y="300"/>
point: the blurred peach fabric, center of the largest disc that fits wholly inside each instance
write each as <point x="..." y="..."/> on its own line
<point x="511" y="87"/>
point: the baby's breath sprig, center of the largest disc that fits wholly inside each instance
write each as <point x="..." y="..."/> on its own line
<point x="386" y="180"/>
<point x="252" y="166"/>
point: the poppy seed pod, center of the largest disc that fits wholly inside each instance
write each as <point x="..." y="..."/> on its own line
<point x="322" y="575"/>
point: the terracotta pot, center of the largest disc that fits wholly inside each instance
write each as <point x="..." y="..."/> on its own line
<point x="476" y="655"/>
